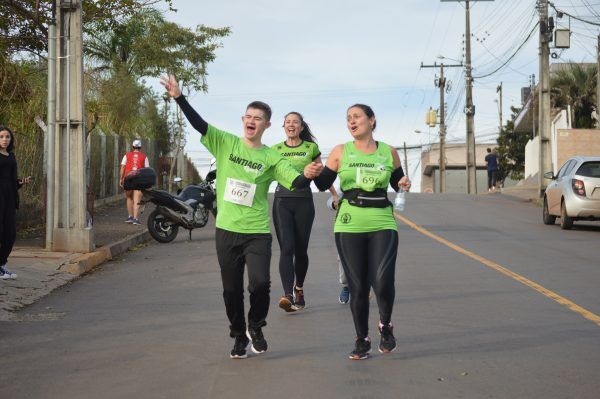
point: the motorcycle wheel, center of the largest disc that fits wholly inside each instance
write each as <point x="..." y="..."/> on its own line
<point x="161" y="229"/>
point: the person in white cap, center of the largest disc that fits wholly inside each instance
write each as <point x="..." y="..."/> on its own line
<point x="132" y="161"/>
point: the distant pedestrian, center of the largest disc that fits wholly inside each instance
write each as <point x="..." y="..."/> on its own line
<point x="132" y="161"/>
<point x="333" y="204"/>
<point x="491" y="163"/>
<point x="9" y="200"/>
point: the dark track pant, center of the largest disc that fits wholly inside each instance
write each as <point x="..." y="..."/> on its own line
<point x="369" y="260"/>
<point x="293" y="219"/>
<point x="234" y="251"/>
<point x="492" y="175"/>
<point x="8" y="229"/>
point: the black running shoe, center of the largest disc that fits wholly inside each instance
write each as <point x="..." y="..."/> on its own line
<point x="287" y="303"/>
<point x="362" y="348"/>
<point x="299" y="297"/>
<point x="259" y="343"/>
<point x="388" y="342"/>
<point x="239" y="348"/>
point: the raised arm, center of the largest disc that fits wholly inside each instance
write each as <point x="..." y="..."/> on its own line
<point x="190" y="113"/>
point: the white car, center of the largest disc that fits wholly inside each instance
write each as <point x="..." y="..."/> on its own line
<point x="574" y="193"/>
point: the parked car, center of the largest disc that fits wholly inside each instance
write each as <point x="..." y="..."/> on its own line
<point x="574" y="193"/>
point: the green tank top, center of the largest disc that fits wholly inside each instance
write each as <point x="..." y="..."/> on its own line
<point x="367" y="172"/>
<point x="299" y="156"/>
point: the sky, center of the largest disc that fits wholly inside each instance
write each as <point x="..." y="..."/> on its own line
<point x="318" y="57"/>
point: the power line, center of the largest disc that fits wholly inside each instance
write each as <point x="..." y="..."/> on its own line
<point x="511" y="57"/>
<point x="573" y="16"/>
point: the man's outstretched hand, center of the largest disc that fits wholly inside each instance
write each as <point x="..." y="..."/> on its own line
<point x="171" y="85"/>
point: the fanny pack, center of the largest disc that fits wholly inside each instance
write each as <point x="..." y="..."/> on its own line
<point x="367" y="199"/>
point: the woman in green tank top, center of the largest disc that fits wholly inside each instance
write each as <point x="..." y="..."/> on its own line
<point x="294" y="212"/>
<point x="365" y="228"/>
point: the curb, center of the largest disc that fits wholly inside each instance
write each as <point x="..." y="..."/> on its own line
<point x="87" y="262"/>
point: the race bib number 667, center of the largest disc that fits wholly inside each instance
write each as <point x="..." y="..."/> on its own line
<point x="239" y="192"/>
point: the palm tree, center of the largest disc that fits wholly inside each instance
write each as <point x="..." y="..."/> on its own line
<point x="576" y="86"/>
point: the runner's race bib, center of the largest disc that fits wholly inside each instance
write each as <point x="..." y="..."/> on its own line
<point x="368" y="179"/>
<point x="239" y="192"/>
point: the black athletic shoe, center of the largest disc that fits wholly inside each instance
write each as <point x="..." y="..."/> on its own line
<point x="299" y="298"/>
<point x="287" y="303"/>
<point x="259" y="343"/>
<point x="362" y="348"/>
<point x="388" y="342"/>
<point x="239" y="348"/>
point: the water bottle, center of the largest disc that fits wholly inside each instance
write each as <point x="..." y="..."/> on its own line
<point x="400" y="200"/>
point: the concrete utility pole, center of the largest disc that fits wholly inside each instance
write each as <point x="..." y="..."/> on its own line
<point x="544" y="96"/>
<point x="533" y="105"/>
<point x="49" y="139"/>
<point x="441" y="83"/>
<point x="469" y="107"/>
<point x="70" y="225"/>
<point x="499" y="91"/>
<point x="598" y="85"/>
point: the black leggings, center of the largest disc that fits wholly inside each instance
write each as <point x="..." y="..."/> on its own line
<point x="8" y="228"/>
<point x="293" y="219"/>
<point x="369" y="260"/>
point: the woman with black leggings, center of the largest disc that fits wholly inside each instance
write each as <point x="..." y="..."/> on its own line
<point x="365" y="229"/>
<point x="294" y="212"/>
<point x="9" y="199"/>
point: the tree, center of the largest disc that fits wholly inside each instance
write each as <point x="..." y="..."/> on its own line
<point x="576" y="86"/>
<point x="511" y="150"/>
<point x="23" y="23"/>
<point x="146" y="45"/>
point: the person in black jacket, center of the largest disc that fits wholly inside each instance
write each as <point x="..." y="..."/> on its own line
<point x="9" y="199"/>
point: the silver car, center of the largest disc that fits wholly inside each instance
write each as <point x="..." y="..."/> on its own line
<point x="574" y="193"/>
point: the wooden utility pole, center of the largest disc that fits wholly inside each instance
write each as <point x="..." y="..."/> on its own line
<point x="405" y="160"/>
<point x="441" y="83"/>
<point x="544" y="126"/>
<point x="72" y="230"/>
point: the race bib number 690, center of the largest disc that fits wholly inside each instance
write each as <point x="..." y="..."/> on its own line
<point x="239" y="192"/>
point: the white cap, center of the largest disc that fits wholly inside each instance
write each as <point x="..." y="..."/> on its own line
<point x="137" y="143"/>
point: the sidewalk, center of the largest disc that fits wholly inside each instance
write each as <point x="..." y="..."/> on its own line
<point x="40" y="272"/>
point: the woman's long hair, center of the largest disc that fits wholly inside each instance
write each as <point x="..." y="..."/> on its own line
<point x="305" y="134"/>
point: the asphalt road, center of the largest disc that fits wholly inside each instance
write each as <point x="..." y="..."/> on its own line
<point x="490" y="303"/>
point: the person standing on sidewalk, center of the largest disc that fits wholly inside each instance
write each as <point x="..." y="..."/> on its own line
<point x="294" y="212"/>
<point x="9" y="200"/>
<point x="132" y="161"/>
<point x="246" y="169"/>
<point x="491" y="163"/>
<point x="365" y="228"/>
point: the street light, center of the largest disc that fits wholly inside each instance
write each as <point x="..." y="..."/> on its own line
<point x="442" y="57"/>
